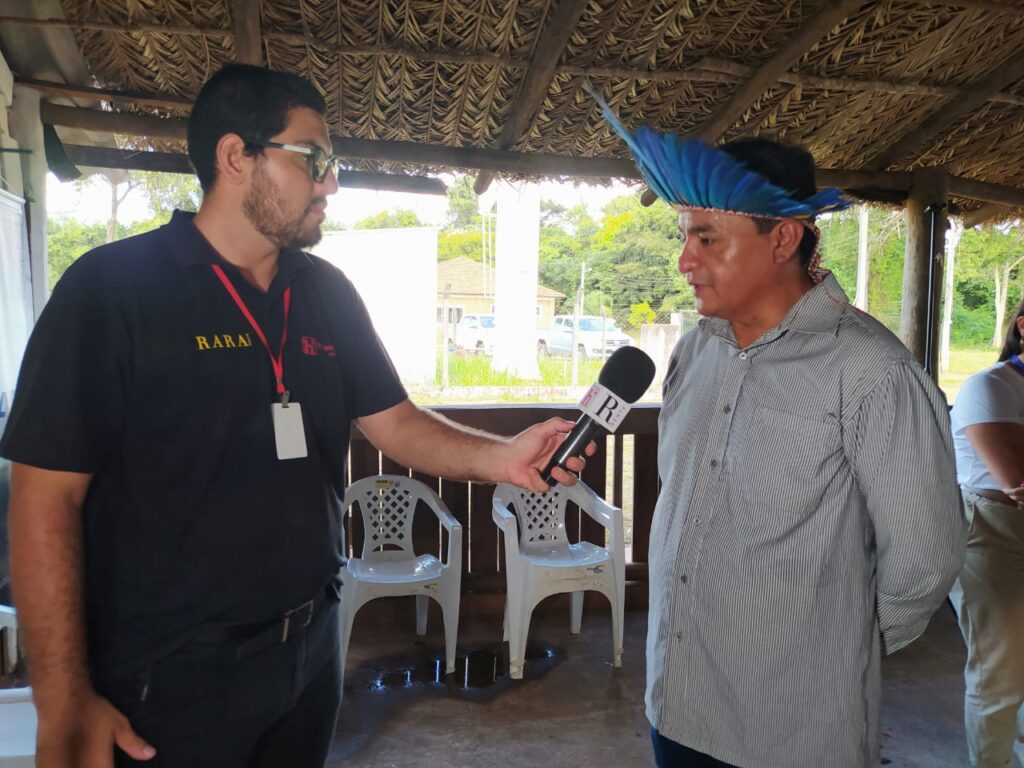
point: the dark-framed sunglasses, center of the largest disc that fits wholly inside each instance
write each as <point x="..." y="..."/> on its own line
<point x="318" y="162"/>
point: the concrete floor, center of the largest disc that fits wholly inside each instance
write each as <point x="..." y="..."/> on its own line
<point x="573" y="708"/>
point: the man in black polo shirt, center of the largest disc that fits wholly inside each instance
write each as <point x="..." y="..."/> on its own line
<point x="179" y="437"/>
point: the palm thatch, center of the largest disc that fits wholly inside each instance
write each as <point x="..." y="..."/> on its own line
<point x="449" y="73"/>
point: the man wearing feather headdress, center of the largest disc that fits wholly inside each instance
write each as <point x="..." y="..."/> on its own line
<point x="809" y="518"/>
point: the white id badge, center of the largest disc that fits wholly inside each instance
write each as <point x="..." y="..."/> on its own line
<point x="288" y="431"/>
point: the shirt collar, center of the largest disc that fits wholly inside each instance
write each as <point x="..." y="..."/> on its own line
<point x="818" y="311"/>
<point x="190" y="248"/>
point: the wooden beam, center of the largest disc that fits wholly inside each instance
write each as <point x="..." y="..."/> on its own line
<point x="922" y="266"/>
<point x="950" y="116"/>
<point x="124" y="123"/>
<point x="164" y="100"/>
<point x="829" y="177"/>
<point x="106" y="26"/>
<point x="128" y="159"/>
<point x="986" y="214"/>
<point x="804" y="39"/>
<point x="245" y="24"/>
<point x="725" y="69"/>
<point x="502" y="161"/>
<point x="171" y="162"/>
<point x="549" y="48"/>
<point x="986" y="191"/>
<point x="997" y="6"/>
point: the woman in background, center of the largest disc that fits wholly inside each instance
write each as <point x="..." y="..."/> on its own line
<point x="988" y="432"/>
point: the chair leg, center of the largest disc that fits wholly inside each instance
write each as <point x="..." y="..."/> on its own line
<point x="617" y="619"/>
<point x="575" y="612"/>
<point x="519" y="629"/>
<point x="450" y="615"/>
<point x="422" y="608"/>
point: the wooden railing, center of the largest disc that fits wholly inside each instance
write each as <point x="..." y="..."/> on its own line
<point x="470" y="503"/>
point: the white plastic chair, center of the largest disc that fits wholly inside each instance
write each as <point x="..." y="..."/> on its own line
<point x="541" y="562"/>
<point x="389" y="566"/>
<point x="17" y="712"/>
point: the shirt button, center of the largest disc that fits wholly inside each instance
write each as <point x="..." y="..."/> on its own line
<point x="714" y="463"/>
<point x="727" y="409"/>
<point x="679" y="636"/>
<point x="683" y="578"/>
<point x="743" y="355"/>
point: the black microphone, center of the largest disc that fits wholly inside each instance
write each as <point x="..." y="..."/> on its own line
<point x="625" y="376"/>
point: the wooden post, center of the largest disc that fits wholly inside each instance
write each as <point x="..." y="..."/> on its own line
<point x="922" y="266"/>
<point x="27" y="129"/>
<point x="863" y="258"/>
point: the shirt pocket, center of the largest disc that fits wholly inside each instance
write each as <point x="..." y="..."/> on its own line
<point x="785" y="464"/>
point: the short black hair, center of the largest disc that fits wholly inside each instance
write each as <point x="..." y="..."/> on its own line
<point x="1012" y="345"/>
<point x="784" y="165"/>
<point x="252" y="102"/>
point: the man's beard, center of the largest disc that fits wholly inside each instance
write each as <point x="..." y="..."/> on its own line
<point x="267" y="211"/>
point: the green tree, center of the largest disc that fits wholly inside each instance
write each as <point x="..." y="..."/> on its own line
<point x="166" y="192"/>
<point x="453" y="244"/>
<point x="634" y="256"/>
<point x="390" y="220"/>
<point x="463" y="207"/>
<point x="990" y="263"/>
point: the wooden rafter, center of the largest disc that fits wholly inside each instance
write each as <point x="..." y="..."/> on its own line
<point x="550" y="45"/>
<point x="172" y="162"/>
<point x="985" y="214"/>
<point x="245" y="24"/>
<point x="951" y="114"/>
<point x="806" y="37"/>
<point x="162" y="100"/>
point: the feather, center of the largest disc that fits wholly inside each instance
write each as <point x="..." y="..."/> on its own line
<point x="692" y="173"/>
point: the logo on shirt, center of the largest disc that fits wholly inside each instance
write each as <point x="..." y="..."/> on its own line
<point x="314" y="347"/>
<point x="223" y="341"/>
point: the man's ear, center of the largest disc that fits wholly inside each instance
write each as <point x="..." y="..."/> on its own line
<point x="233" y="165"/>
<point x="786" y="237"/>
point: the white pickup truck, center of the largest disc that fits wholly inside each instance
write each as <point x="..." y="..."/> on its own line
<point x="475" y="333"/>
<point x="596" y="337"/>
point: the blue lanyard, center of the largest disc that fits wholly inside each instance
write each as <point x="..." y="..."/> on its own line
<point x="1016" y="362"/>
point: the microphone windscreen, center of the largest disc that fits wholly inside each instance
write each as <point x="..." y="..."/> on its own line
<point x="628" y="373"/>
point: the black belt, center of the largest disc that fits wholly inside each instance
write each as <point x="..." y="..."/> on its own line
<point x="251" y="637"/>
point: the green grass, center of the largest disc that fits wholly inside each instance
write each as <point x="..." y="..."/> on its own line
<point x="476" y="371"/>
<point x="963" y="362"/>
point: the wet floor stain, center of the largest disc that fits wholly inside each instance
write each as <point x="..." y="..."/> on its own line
<point x="377" y="688"/>
<point x="475" y="670"/>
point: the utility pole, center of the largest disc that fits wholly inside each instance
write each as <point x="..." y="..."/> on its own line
<point x="577" y="310"/>
<point x="444" y="335"/>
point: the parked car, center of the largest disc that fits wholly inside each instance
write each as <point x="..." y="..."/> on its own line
<point x="475" y="333"/>
<point x="596" y="337"/>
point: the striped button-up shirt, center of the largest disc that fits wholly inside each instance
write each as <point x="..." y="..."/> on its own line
<point x="809" y="518"/>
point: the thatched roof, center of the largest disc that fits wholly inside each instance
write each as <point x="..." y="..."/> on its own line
<point x="885" y="85"/>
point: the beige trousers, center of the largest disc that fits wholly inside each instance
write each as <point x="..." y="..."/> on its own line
<point x="989" y="601"/>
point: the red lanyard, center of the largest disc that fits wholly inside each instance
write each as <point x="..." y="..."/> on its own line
<point x="277" y="363"/>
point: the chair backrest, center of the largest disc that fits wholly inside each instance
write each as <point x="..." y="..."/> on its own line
<point x="387" y="504"/>
<point x="541" y="516"/>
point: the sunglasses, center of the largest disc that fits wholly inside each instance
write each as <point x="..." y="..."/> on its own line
<point x="318" y="162"/>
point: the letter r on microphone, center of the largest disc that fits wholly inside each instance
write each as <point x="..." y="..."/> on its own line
<point x="604" y="406"/>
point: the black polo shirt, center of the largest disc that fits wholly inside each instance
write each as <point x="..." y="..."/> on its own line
<point x="143" y="371"/>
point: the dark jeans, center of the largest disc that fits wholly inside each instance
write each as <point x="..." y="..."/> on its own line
<point x="671" y="754"/>
<point x="204" y="705"/>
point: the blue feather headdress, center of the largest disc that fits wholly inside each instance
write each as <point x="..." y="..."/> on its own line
<point x="693" y="174"/>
